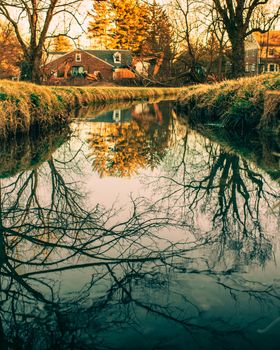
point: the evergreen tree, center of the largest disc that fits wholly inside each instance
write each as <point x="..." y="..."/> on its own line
<point x="62" y="43"/>
<point x="119" y="24"/>
<point x="158" y="41"/>
<point x="130" y="25"/>
<point x="100" y="26"/>
<point x="134" y="25"/>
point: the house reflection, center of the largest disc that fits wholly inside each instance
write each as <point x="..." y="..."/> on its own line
<point x="123" y="141"/>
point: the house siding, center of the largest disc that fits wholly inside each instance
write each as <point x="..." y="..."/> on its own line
<point x="90" y="64"/>
<point x="264" y="51"/>
<point x="251" y="57"/>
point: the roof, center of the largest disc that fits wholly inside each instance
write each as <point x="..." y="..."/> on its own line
<point x="108" y="56"/>
<point x="271" y="38"/>
<point x="104" y="55"/>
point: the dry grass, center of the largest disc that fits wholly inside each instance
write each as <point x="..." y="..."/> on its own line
<point x="234" y="103"/>
<point x="24" y="105"/>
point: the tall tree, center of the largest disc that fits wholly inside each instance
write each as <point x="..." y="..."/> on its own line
<point x="242" y="18"/>
<point x="130" y="24"/>
<point x="36" y="16"/>
<point x="100" y="26"/>
<point x="62" y="43"/>
<point x="158" y="41"/>
<point x="119" y="24"/>
<point x="191" y="28"/>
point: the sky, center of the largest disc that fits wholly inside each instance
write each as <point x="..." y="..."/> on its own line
<point x="85" y="7"/>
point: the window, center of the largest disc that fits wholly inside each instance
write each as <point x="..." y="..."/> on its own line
<point x="253" y="67"/>
<point x="246" y="67"/>
<point x="117" y="57"/>
<point x="271" y="68"/>
<point x="117" y="115"/>
<point x="78" y="71"/>
<point x="271" y="52"/>
<point x="78" y="57"/>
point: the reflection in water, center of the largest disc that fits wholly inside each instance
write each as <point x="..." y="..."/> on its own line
<point x="20" y="154"/>
<point x="124" y="141"/>
<point x="190" y="256"/>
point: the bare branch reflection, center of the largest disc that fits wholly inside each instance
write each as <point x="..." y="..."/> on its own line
<point x="77" y="275"/>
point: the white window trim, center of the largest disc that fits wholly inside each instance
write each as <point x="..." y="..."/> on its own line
<point x="119" y="56"/>
<point x="117" y="115"/>
<point x="78" y="57"/>
<point x="275" y="65"/>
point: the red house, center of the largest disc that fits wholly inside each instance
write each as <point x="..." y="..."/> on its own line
<point x="85" y="66"/>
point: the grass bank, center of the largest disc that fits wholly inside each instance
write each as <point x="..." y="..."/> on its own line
<point x="24" y="105"/>
<point x="235" y="104"/>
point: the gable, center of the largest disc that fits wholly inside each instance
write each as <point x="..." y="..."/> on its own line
<point x="70" y="57"/>
<point x="108" y="56"/>
<point x="105" y="56"/>
<point x="251" y="43"/>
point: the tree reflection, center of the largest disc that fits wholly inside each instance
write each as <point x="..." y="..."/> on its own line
<point x="30" y="151"/>
<point x="227" y="191"/>
<point x="72" y="274"/>
<point x="120" y="149"/>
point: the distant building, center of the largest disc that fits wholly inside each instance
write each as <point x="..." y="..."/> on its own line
<point x="262" y="53"/>
<point x="85" y="66"/>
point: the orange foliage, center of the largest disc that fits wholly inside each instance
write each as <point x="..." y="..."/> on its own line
<point x="10" y="53"/>
<point x="122" y="149"/>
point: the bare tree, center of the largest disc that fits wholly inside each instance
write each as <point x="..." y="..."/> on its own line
<point x="190" y="28"/>
<point x="241" y="19"/>
<point x="140" y="267"/>
<point x="37" y="16"/>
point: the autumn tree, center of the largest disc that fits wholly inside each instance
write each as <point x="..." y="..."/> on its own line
<point x="32" y="22"/>
<point x="131" y="25"/>
<point x="159" y="37"/>
<point x="10" y="52"/>
<point x="100" y="25"/>
<point x="62" y="43"/>
<point x="119" y="24"/>
<point x="241" y="19"/>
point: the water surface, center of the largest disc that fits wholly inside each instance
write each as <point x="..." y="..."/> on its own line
<point x="133" y="231"/>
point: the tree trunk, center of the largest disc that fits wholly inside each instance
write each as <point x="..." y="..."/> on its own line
<point x="31" y="69"/>
<point x="36" y="73"/>
<point x="237" y="56"/>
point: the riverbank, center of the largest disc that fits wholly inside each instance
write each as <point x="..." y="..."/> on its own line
<point x="243" y="104"/>
<point x="24" y="105"/>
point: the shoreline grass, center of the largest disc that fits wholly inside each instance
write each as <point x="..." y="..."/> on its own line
<point x="241" y="104"/>
<point x="25" y="105"/>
